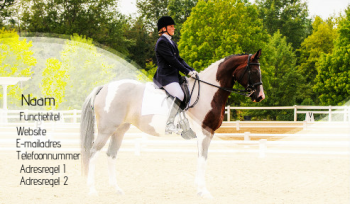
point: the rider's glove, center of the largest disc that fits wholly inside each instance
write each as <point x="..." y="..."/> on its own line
<point x="192" y="74"/>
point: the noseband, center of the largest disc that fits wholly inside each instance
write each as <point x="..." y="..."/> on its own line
<point x="251" y="88"/>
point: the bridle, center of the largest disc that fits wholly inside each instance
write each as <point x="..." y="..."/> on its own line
<point x="251" y="88"/>
<point x="248" y="91"/>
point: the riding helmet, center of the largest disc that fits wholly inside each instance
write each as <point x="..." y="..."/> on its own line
<point x="165" y="21"/>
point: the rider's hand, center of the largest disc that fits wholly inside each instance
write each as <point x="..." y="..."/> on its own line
<point x="192" y="74"/>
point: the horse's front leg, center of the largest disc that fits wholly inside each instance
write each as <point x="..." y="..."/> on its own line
<point x="203" y="142"/>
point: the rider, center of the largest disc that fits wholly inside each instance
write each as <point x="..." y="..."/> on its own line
<point x="169" y="64"/>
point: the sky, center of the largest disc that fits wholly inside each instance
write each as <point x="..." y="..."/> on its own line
<point x="322" y="8"/>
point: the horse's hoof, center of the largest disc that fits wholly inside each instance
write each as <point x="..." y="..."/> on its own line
<point x="119" y="191"/>
<point x="205" y="194"/>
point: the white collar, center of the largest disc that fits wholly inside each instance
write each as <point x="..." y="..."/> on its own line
<point x="167" y="36"/>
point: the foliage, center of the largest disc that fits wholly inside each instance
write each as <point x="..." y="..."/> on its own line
<point x="281" y="74"/>
<point x="180" y="10"/>
<point x="6" y="3"/>
<point x="85" y="69"/>
<point x="288" y="16"/>
<point x="300" y="63"/>
<point x="99" y="20"/>
<point x="332" y="81"/>
<point x="146" y="76"/>
<point x="151" y="11"/>
<point x="5" y="12"/>
<point x="16" y="60"/>
<point x="217" y="29"/>
<point x="319" y="42"/>
<point x="54" y="81"/>
<point x="281" y="81"/>
<point x="142" y="47"/>
<point x="145" y="27"/>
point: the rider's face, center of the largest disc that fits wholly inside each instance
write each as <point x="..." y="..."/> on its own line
<point x="170" y="29"/>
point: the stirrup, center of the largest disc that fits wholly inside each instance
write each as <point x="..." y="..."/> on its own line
<point x="170" y="128"/>
<point x="187" y="133"/>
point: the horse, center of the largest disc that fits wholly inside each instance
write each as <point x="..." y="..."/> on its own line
<point x="118" y="104"/>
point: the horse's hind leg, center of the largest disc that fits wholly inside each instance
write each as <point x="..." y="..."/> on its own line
<point x="114" y="145"/>
<point x="98" y="144"/>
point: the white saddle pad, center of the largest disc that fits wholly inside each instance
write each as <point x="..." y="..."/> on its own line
<point x="155" y="101"/>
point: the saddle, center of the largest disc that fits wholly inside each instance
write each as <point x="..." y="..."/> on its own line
<point x="183" y="124"/>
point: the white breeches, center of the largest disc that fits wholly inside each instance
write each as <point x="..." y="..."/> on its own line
<point x="175" y="90"/>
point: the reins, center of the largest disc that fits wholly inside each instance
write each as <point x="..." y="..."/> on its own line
<point x="237" y="91"/>
<point x="194" y="84"/>
<point x="197" y="80"/>
<point x="246" y="92"/>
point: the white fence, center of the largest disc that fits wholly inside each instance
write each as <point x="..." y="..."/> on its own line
<point x="261" y="147"/>
<point x="67" y="131"/>
<point x="73" y="116"/>
<point x="307" y="110"/>
<point x="68" y="116"/>
<point x="283" y="124"/>
<point x="304" y="143"/>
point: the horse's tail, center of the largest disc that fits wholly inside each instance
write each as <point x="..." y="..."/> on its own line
<point x="87" y="124"/>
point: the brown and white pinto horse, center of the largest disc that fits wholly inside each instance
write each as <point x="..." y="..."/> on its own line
<point x="118" y="104"/>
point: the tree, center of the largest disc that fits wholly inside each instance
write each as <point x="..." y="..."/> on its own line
<point x="332" y="81"/>
<point x="54" y="81"/>
<point x="16" y="60"/>
<point x="217" y="29"/>
<point x="141" y="48"/>
<point x="146" y="26"/>
<point x="98" y="20"/>
<point x="288" y="16"/>
<point x="146" y="76"/>
<point x="4" y="11"/>
<point x="318" y="43"/>
<point x="151" y="11"/>
<point x="180" y="10"/>
<point x="85" y="67"/>
<point x="281" y="81"/>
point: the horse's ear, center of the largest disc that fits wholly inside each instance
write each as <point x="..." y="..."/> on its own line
<point x="256" y="56"/>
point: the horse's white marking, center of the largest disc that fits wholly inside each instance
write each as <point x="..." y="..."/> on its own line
<point x="203" y="144"/>
<point x="204" y="104"/>
<point x="211" y="72"/>
<point x="112" y="90"/>
<point x="111" y="170"/>
<point x="91" y="175"/>
<point x="200" y="180"/>
<point x="112" y="175"/>
<point x="158" y="123"/>
<point x="261" y="93"/>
